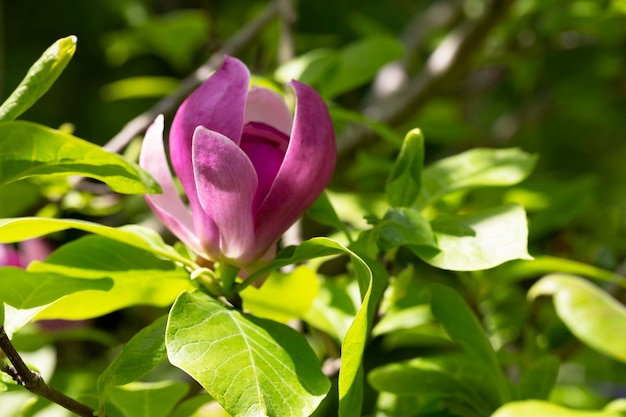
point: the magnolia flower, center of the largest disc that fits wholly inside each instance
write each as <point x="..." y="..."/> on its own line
<point x="27" y="251"/>
<point x="248" y="167"/>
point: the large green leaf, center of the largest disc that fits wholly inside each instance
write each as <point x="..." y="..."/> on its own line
<point x="139" y="277"/>
<point x="405" y="179"/>
<point x="478" y="241"/>
<point x="251" y="366"/>
<point x="371" y="284"/>
<point x="155" y="399"/>
<point x="139" y="356"/>
<point x="474" y="169"/>
<point x="28" y="149"/>
<point x="460" y="323"/>
<point x="18" y="229"/>
<point x="595" y="317"/>
<point x="546" y="409"/>
<point x="39" y="78"/>
<point x="24" y="290"/>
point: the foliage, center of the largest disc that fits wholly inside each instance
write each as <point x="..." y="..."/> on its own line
<point x="465" y="261"/>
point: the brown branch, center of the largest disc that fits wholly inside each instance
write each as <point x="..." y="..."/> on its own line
<point x="444" y="64"/>
<point x="235" y="44"/>
<point x="34" y="383"/>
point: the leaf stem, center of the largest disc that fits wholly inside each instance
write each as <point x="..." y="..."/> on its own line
<point x="34" y="383"/>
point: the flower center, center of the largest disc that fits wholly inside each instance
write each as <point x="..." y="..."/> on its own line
<point x="266" y="148"/>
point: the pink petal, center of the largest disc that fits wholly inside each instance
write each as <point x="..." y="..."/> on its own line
<point x="267" y="106"/>
<point x="9" y="257"/>
<point x="226" y="183"/>
<point x="218" y="105"/>
<point x="168" y="207"/>
<point x="306" y="169"/>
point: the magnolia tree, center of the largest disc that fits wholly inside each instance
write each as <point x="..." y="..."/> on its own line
<point x="405" y="305"/>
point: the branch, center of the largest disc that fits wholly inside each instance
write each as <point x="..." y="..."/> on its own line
<point x="33" y="382"/>
<point x="235" y="44"/>
<point x="443" y="65"/>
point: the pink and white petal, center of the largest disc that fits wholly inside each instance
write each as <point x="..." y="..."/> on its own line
<point x="168" y="206"/>
<point x="306" y="170"/>
<point x="226" y="182"/>
<point x="267" y="106"/>
<point x="218" y="104"/>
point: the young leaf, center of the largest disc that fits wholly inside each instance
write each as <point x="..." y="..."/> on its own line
<point x="405" y="180"/>
<point x="460" y="323"/>
<point x="39" y="78"/>
<point x="140" y="355"/>
<point x="28" y="149"/>
<point x="478" y="241"/>
<point x="474" y="169"/>
<point x="251" y="366"/>
<point x="592" y="315"/>
<point x="24" y="290"/>
<point x="155" y="399"/>
<point x="406" y="227"/>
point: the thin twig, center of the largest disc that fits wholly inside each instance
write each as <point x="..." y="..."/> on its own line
<point x="34" y="383"/>
<point x="445" y="63"/>
<point x="287" y="43"/>
<point x="235" y="44"/>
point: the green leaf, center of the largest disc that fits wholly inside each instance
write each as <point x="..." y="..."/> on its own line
<point x="460" y="323"/>
<point x="405" y="180"/>
<point x="251" y="366"/>
<point x="140" y="278"/>
<point x="406" y="227"/>
<point x="455" y="377"/>
<point x="28" y="149"/>
<point x="480" y="240"/>
<point x="358" y="63"/>
<point x="283" y="297"/>
<point x="333" y="310"/>
<point x="538" y="379"/>
<point x="155" y="399"/>
<point x="39" y="78"/>
<point x="139" y="356"/>
<point x="308" y="68"/>
<point x="592" y="315"/>
<point x="18" y="229"/>
<point x="24" y="290"/>
<point x="371" y="284"/>
<point x="474" y="169"/>
<point x="323" y="212"/>
<point x="546" y="409"/>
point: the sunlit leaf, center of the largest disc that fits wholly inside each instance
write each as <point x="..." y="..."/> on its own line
<point x="546" y="409"/>
<point x="283" y="296"/>
<point x="592" y="315"/>
<point x="28" y="150"/>
<point x="39" y="78"/>
<point x="251" y="366"/>
<point x="139" y="277"/>
<point x="474" y="169"/>
<point x="24" y="290"/>
<point x="480" y="240"/>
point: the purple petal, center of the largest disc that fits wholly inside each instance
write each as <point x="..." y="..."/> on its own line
<point x="218" y="104"/>
<point x="226" y="183"/>
<point x="266" y="147"/>
<point x="9" y="257"/>
<point x="306" y="169"/>
<point x="168" y="207"/>
<point x="267" y="106"/>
